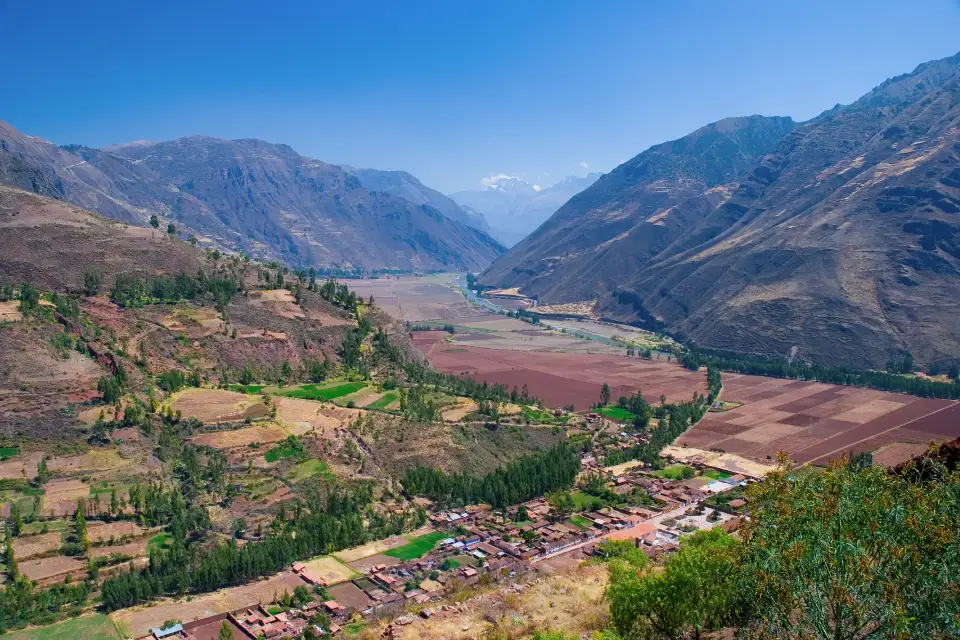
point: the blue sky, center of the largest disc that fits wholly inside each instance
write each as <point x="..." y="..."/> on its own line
<point x="451" y="91"/>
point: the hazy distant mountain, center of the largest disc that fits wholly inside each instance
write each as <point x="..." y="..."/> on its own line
<point x="513" y="207"/>
<point x="249" y="195"/>
<point x="838" y="239"/>
<point x="408" y="187"/>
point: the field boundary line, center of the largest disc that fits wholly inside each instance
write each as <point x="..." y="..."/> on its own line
<point x="870" y="437"/>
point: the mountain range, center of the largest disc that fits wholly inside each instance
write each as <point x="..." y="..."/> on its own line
<point x="513" y="207"/>
<point x="836" y="240"/>
<point x="261" y="198"/>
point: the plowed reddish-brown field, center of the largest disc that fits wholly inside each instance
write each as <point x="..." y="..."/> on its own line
<point x="563" y="378"/>
<point x="816" y="422"/>
<point x="812" y="422"/>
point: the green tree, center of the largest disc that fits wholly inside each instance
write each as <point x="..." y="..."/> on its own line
<point x="29" y="297"/>
<point x="852" y="552"/>
<point x="605" y="394"/>
<point x="623" y="551"/>
<point x="154" y="222"/>
<point x="91" y="283"/>
<point x="43" y="474"/>
<point x="302" y="595"/>
<point x="171" y="229"/>
<point x="11" y="558"/>
<point x="225" y="632"/>
<point x="80" y="525"/>
<point x="698" y="591"/>
<point x="561" y="504"/>
<point x="16" y="520"/>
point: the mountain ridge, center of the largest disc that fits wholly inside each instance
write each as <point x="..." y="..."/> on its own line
<point x="248" y="195"/>
<point x="839" y="245"/>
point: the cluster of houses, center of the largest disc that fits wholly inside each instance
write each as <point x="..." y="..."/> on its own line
<point x="481" y="543"/>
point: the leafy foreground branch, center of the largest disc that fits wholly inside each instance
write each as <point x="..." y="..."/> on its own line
<point x="840" y="554"/>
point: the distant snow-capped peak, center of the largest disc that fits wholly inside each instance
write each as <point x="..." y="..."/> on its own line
<point x="506" y="182"/>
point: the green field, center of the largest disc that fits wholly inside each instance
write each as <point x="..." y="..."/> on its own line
<point x="8" y="452"/>
<point x="313" y="392"/>
<point x="716" y="474"/>
<point x="247" y="388"/>
<point x="285" y="449"/>
<point x="581" y="522"/>
<point x="383" y="402"/>
<point x="676" y="472"/>
<point x="536" y="415"/>
<point x="104" y="488"/>
<point x="417" y="547"/>
<point x="159" y="541"/>
<point x="618" y="414"/>
<point x="309" y="469"/>
<point x="584" y="501"/>
<point x="92" y="627"/>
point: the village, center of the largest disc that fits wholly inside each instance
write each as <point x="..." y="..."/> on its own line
<point x="475" y="545"/>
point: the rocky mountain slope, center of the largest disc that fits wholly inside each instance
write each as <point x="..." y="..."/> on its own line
<point x="841" y="245"/>
<point x="249" y="195"/>
<point x="627" y="216"/>
<point x="404" y="185"/>
<point x="514" y="207"/>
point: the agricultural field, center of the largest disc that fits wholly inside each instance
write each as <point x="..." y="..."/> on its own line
<point x="413" y="298"/>
<point x="566" y="378"/>
<point x="617" y="413"/>
<point x="89" y="627"/>
<point x="244" y="437"/>
<point x="384" y="401"/>
<point x="676" y="472"/>
<point x="371" y="548"/>
<point x="815" y="422"/>
<point x="218" y="405"/>
<point x="331" y="570"/>
<point x="309" y="469"/>
<point x="417" y="547"/>
<point x="326" y="392"/>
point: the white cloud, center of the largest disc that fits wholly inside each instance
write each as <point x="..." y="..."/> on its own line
<point x="584" y="164"/>
<point x="537" y="187"/>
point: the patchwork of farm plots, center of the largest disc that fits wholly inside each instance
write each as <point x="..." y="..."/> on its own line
<point x="816" y="422"/>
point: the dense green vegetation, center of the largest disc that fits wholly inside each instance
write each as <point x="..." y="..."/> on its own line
<point x="846" y="553"/>
<point x="129" y="290"/>
<point x="332" y="520"/>
<point x="799" y="370"/>
<point x="677" y="419"/>
<point x="291" y="447"/>
<point x="520" y="480"/>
